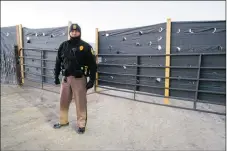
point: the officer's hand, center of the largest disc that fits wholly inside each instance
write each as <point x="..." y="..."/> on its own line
<point x="90" y="84"/>
<point x="56" y="81"/>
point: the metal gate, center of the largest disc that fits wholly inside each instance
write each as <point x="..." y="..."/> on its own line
<point x="39" y="74"/>
<point x="35" y="68"/>
<point x="182" y="60"/>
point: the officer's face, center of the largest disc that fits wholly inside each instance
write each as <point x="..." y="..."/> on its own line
<point x="74" y="33"/>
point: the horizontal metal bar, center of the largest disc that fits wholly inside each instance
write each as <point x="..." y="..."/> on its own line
<point x="157" y="95"/>
<point x="130" y="91"/>
<point x="173" y="78"/>
<point x="163" y="96"/>
<point x="111" y="88"/>
<point x="209" y="102"/>
<point x="37" y="66"/>
<point x="32" y="85"/>
<point x="35" y="49"/>
<point x="38" y="74"/>
<point x="37" y="81"/>
<point x="173" y="106"/>
<point x="146" y="86"/>
<point x="53" y="91"/>
<point x="143" y="76"/>
<point x="37" y="59"/>
<point x="177" y="89"/>
<point x="212" y="92"/>
<point x="213" y="68"/>
<point x="147" y="66"/>
<point x="145" y="93"/>
<point x="142" y="55"/>
<point x="41" y="88"/>
<point x="213" y="80"/>
<point x="49" y="90"/>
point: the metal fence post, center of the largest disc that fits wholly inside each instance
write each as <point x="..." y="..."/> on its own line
<point x="18" y="67"/>
<point x="197" y="84"/>
<point x="137" y="75"/>
<point x="42" y="67"/>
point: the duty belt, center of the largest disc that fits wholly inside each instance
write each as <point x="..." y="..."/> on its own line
<point x="84" y="70"/>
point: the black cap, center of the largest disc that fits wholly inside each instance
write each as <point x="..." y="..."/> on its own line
<point x="75" y="27"/>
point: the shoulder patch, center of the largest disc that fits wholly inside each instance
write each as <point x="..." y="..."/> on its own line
<point x="92" y="51"/>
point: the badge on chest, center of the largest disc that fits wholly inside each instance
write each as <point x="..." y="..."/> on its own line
<point x="81" y="48"/>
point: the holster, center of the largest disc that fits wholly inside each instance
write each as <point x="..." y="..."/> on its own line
<point x="86" y="71"/>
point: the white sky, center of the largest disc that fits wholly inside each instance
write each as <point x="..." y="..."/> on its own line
<point x="106" y="15"/>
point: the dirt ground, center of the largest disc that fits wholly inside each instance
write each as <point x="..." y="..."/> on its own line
<point x="27" y="116"/>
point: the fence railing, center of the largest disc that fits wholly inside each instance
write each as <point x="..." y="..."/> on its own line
<point x="136" y="85"/>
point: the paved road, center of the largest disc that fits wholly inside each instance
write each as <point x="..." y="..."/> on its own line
<point x="27" y="116"/>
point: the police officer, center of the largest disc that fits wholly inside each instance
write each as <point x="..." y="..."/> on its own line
<point x="76" y="59"/>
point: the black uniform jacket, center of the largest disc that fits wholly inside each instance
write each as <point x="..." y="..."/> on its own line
<point x="72" y="58"/>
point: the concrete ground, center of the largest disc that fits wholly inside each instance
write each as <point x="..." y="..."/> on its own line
<point x="27" y="116"/>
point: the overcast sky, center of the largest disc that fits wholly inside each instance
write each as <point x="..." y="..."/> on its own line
<point x="106" y="15"/>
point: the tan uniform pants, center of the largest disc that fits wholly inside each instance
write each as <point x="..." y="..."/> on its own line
<point x="77" y="88"/>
